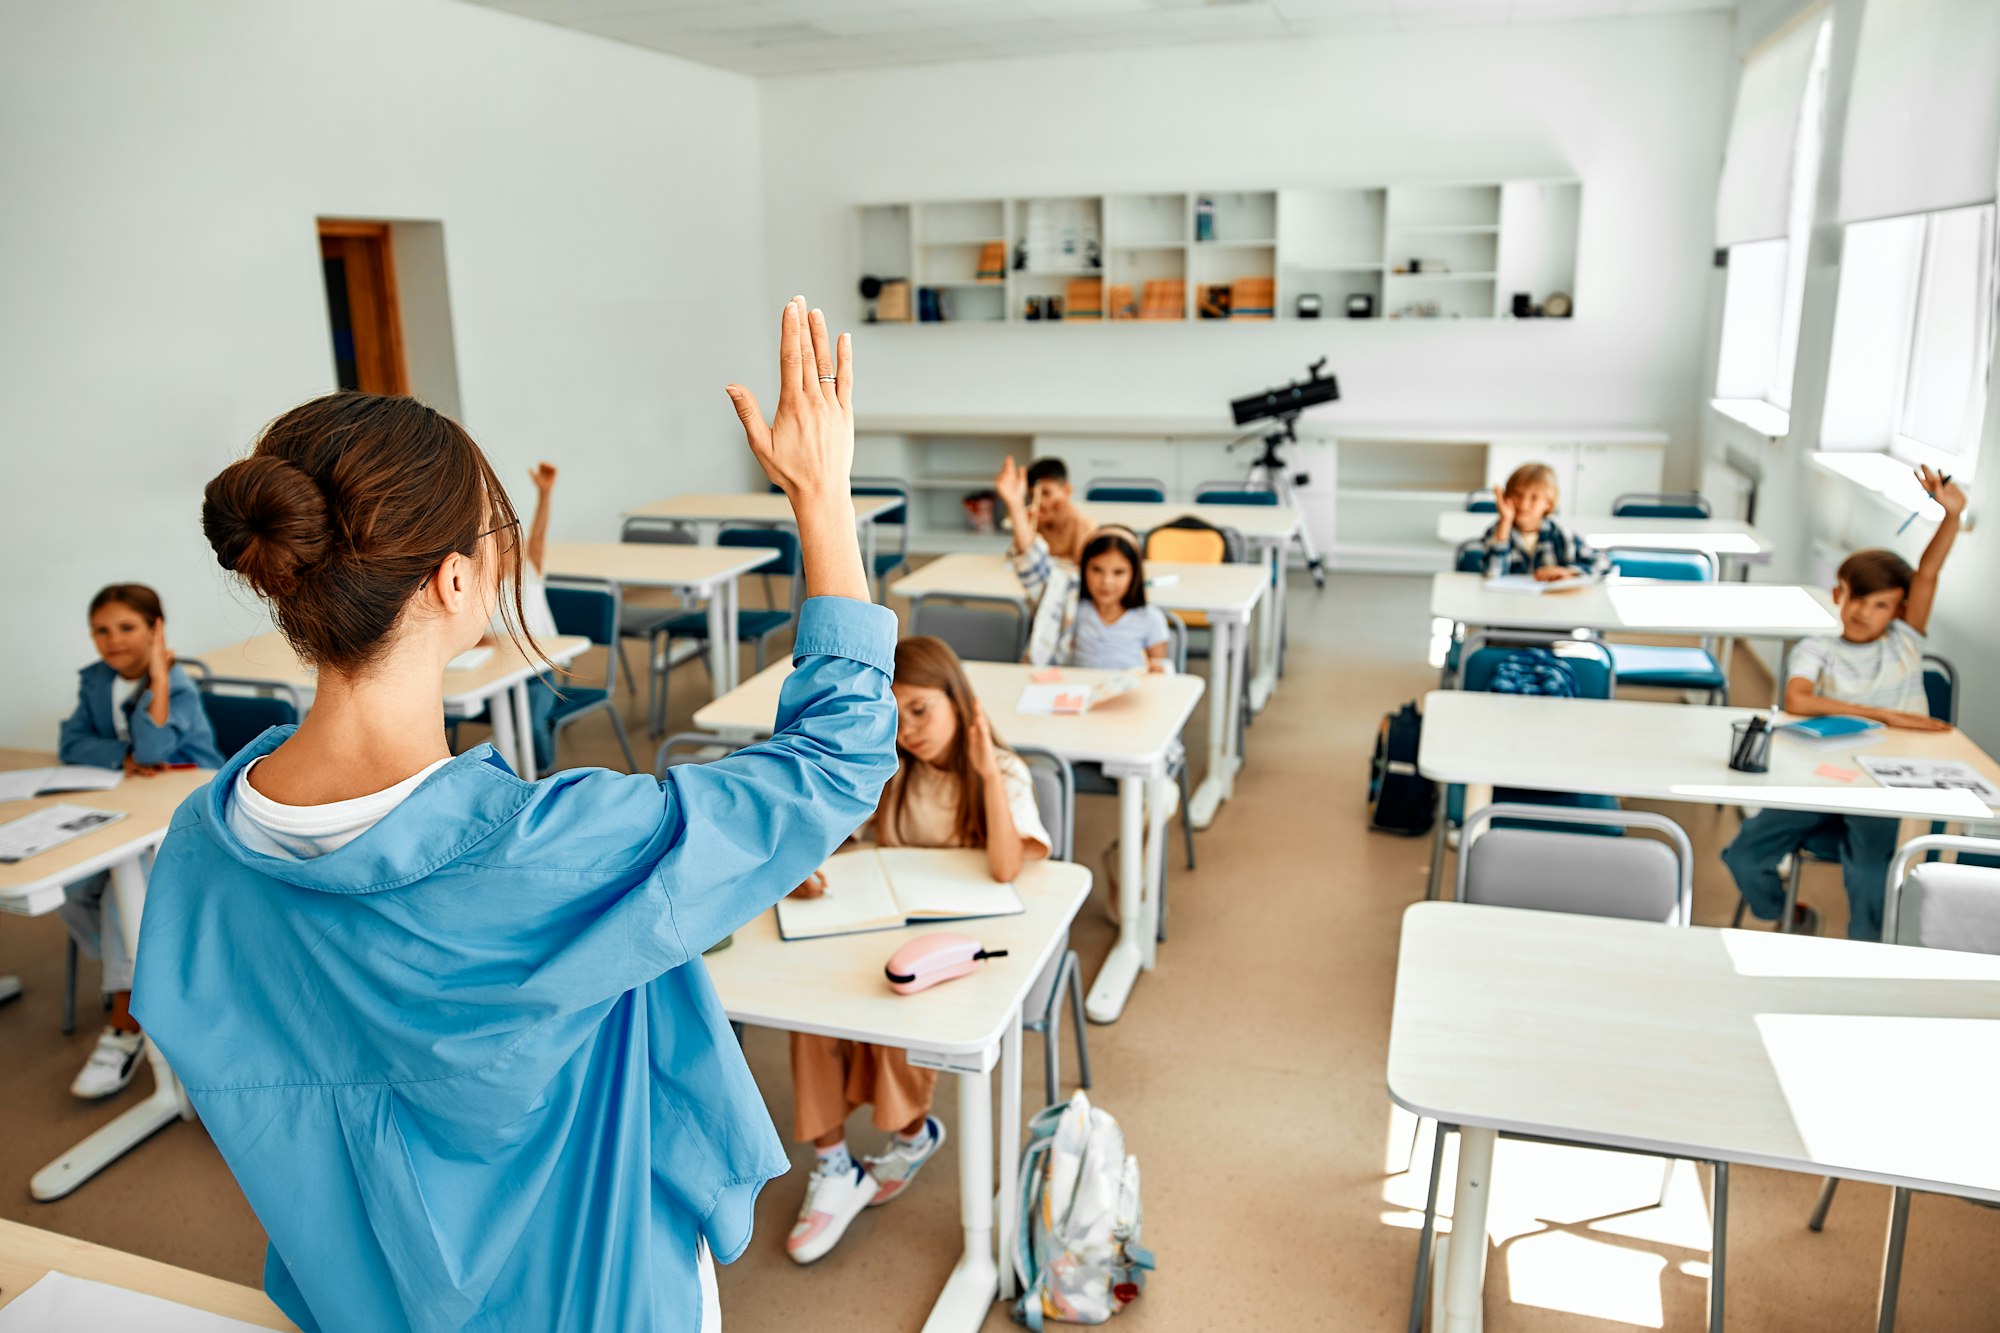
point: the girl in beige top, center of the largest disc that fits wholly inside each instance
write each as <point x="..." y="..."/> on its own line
<point x="956" y="785"/>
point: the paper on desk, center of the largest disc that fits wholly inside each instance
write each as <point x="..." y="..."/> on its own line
<point x="1836" y="772"/>
<point x="1527" y="585"/>
<point x="1039" y="700"/>
<point x="59" y="1303"/>
<point x="1930" y="775"/>
<point x="50" y="826"/>
<point x="24" y="783"/>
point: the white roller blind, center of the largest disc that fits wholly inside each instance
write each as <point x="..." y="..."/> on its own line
<point x="1923" y="118"/>
<point x="1756" y="193"/>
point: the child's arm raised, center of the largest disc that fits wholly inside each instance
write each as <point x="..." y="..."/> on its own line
<point x="1923" y="587"/>
<point x="544" y="477"/>
<point x="1011" y="485"/>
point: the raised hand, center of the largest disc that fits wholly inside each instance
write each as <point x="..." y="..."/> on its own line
<point x="1504" y="507"/>
<point x="544" y="477"/>
<point x="807" y="447"/>
<point x="1012" y="484"/>
<point x="1942" y="489"/>
<point x="162" y="660"/>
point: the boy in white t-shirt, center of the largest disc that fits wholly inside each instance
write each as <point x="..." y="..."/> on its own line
<point x="1873" y="670"/>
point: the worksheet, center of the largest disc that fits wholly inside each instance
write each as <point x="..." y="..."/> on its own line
<point x="50" y="826"/>
<point x="1930" y="775"/>
<point x="61" y="1302"/>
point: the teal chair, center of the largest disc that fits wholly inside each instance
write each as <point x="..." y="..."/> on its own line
<point x="1670" y="504"/>
<point x="898" y="517"/>
<point x="1233" y="493"/>
<point x="1126" y="490"/>
<point x="1662" y="666"/>
<point x="589" y="610"/>
<point x="1481" y="502"/>
<point x="757" y="625"/>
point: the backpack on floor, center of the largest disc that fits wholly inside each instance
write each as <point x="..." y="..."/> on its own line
<point x="1400" y="799"/>
<point x="1077" y="1252"/>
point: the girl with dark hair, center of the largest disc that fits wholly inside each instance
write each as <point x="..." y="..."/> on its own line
<point x="451" y="1030"/>
<point x="135" y="710"/>
<point x="956" y="785"/>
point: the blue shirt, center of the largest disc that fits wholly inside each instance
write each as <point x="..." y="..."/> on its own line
<point x="90" y="734"/>
<point x="469" y="1069"/>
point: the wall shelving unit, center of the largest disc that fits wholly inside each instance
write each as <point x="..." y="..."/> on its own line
<point x="1458" y="250"/>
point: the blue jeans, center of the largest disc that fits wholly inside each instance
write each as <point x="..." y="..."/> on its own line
<point x="1864" y="844"/>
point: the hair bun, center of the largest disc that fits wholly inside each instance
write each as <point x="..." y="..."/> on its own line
<point x="267" y="521"/>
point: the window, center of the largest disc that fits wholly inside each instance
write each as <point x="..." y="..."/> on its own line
<point x="1944" y="394"/>
<point x="1765" y="289"/>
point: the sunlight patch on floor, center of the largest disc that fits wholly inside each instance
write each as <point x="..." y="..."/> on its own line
<point x="1559" y="1270"/>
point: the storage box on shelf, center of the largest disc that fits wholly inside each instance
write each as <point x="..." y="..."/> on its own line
<point x="1169" y="256"/>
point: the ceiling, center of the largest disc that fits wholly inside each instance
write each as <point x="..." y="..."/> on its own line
<point x="798" y="36"/>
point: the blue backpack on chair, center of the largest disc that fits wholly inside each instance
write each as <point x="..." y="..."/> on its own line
<point x="1534" y="671"/>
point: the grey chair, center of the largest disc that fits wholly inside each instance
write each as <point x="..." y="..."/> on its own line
<point x="1055" y="797"/>
<point x="1638" y="879"/>
<point x="1928" y="904"/>
<point x="979" y="629"/>
<point x="650" y="623"/>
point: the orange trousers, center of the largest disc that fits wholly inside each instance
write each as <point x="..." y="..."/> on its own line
<point x="831" y="1077"/>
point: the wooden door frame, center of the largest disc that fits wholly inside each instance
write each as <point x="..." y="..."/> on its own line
<point x="376" y="316"/>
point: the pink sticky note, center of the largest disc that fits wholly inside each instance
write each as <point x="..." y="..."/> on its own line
<point x="1837" y="773"/>
<point x="1046" y="676"/>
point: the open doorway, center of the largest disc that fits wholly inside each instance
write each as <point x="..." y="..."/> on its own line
<point x="360" y="268"/>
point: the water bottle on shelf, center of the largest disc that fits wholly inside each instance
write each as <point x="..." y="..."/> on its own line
<point x="1204" y="219"/>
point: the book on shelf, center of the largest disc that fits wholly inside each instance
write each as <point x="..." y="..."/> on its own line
<point x="992" y="262"/>
<point x="887" y="888"/>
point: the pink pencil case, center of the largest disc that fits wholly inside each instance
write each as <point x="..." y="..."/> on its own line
<point x="929" y="959"/>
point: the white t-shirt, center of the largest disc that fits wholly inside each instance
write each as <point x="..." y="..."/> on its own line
<point x="301" y="832"/>
<point x="1121" y="645"/>
<point x="122" y="691"/>
<point x="1883" y="673"/>
<point x="541" y="622"/>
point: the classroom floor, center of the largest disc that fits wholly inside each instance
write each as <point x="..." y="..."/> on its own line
<point x="1248" y="1073"/>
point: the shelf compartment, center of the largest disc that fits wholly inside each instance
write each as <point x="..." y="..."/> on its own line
<point x="1444" y="206"/>
<point x="961" y="222"/>
<point x="1240" y="215"/>
<point x="1138" y="220"/>
<point x="1058" y="232"/>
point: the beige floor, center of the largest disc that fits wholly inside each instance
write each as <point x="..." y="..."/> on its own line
<point x="1248" y="1072"/>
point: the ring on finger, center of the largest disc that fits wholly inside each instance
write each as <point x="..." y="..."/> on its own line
<point x="829" y="379"/>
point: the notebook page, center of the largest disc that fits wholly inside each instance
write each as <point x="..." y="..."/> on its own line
<point x="50" y="826"/>
<point x="947" y="884"/>
<point x="857" y="898"/>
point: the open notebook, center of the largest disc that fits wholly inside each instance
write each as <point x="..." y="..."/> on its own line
<point x="1527" y="585"/>
<point x="887" y="888"/>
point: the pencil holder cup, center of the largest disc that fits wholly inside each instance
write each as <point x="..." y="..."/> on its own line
<point x="1749" y="750"/>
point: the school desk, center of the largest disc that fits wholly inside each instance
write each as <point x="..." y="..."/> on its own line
<point x="707" y="513"/>
<point x="35" y="885"/>
<point x="1131" y="736"/>
<point x="834" y="987"/>
<point x="1864" y="1061"/>
<point x="710" y="573"/>
<point x="268" y="658"/>
<point x="1641" y="606"/>
<point x="27" y="1254"/>
<point x="1269" y="529"/>
<point x="1671" y="752"/>
<point x="1226" y="594"/>
<point x="1729" y="540"/>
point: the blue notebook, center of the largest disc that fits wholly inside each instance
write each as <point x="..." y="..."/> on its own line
<point x="1832" y="731"/>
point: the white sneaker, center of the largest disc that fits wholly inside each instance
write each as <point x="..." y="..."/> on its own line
<point x="899" y="1163"/>
<point x="111" y="1066"/>
<point x="834" y="1197"/>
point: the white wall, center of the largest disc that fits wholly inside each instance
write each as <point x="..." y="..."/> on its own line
<point x="163" y="164"/>
<point x="1634" y="107"/>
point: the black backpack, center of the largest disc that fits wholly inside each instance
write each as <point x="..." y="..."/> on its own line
<point x="1400" y="799"/>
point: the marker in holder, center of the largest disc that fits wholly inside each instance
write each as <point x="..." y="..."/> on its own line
<point x="1750" y="746"/>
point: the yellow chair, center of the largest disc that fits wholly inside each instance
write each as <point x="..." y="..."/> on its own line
<point x="1188" y="546"/>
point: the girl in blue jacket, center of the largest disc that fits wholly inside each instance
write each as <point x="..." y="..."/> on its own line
<point x="451" y="1030"/>
<point x="135" y="710"/>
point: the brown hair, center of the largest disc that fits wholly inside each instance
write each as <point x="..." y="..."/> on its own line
<point x="135" y="595"/>
<point x="930" y="663"/>
<point x="1531" y="474"/>
<point x="344" y="509"/>
<point x="1868" y="572"/>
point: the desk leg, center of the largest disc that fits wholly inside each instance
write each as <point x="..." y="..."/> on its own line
<point x="1010" y="1150"/>
<point x="1157" y="792"/>
<point x="1462" y="1303"/>
<point x="968" y="1293"/>
<point x="721" y="637"/>
<point x="164" y="1105"/>
<point x="1264" y="631"/>
<point x="1121" y="967"/>
<point x="1223" y="685"/>
<point x="500" y="712"/>
<point x="524" y="728"/>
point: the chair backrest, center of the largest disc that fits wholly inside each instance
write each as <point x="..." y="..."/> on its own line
<point x="1470" y="558"/>
<point x="1055" y="797"/>
<point x="1640" y="879"/>
<point x="1481" y="502"/>
<point x="782" y="540"/>
<point x="238" y="719"/>
<point x="1232" y="493"/>
<point x="896" y="517"/>
<point x="1669" y="504"/>
<point x="588" y="608"/>
<point x="1127" y="490"/>
<point x="1655" y="562"/>
<point x="656" y="532"/>
<point x="691" y="747"/>
<point x="1191" y="541"/>
<point x="979" y="629"/>
<point x="1177" y="641"/>
<point x="1941" y="904"/>
<point x="1941" y="688"/>
<point x="1589" y="660"/>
